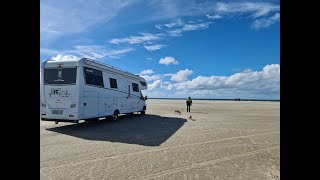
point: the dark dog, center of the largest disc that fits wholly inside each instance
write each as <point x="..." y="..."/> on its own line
<point x="177" y="111"/>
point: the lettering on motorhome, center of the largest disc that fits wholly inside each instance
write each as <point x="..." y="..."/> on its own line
<point x="59" y="92"/>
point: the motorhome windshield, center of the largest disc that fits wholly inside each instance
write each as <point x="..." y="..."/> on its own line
<point x="57" y="76"/>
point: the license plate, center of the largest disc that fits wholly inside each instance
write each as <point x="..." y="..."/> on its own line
<point x="57" y="111"/>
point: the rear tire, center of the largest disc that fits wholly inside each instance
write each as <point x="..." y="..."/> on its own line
<point x="143" y="112"/>
<point x="114" y="116"/>
<point x="92" y="120"/>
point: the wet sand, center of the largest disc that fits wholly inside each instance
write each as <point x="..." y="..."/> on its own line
<point x="222" y="140"/>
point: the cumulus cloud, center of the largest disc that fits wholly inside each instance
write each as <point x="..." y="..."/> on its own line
<point x="89" y="51"/>
<point x="248" y="84"/>
<point x="156" y="84"/>
<point x="144" y="37"/>
<point x="154" y="47"/>
<point x="168" y="60"/>
<point x="265" y="22"/>
<point x="159" y="84"/>
<point x="181" y="75"/>
<point x="264" y="84"/>
<point x="151" y="78"/>
<point x="267" y="80"/>
<point x="202" y="82"/>
<point x="65" y="58"/>
<point x="147" y="71"/>
<point x="166" y="85"/>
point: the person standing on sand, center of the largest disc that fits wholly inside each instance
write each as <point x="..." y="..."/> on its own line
<point x="189" y="103"/>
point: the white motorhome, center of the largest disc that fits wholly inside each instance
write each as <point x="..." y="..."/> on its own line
<point x="86" y="89"/>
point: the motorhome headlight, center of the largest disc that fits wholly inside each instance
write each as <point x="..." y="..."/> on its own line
<point x="43" y="105"/>
<point x="73" y="105"/>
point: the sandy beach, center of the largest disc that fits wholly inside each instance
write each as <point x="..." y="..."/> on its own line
<point x="222" y="140"/>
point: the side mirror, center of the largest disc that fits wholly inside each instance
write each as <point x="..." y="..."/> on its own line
<point x="145" y="98"/>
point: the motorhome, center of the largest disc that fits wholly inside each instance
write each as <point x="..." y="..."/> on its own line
<point x="87" y="89"/>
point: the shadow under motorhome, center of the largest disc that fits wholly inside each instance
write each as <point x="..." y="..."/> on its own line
<point x="86" y="89"/>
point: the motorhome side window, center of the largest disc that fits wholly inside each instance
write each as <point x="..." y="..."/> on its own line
<point x="143" y="83"/>
<point x="93" y="77"/>
<point x="135" y="87"/>
<point x="113" y="83"/>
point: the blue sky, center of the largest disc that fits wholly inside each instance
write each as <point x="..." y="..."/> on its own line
<point x="202" y="49"/>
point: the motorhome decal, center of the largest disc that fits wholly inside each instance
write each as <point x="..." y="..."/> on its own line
<point x="57" y="92"/>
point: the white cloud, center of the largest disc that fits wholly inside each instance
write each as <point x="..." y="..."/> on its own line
<point x="264" y="84"/>
<point x="219" y="10"/>
<point x="61" y="17"/>
<point x="179" y="26"/>
<point x="177" y="23"/>
<point x="201" y="82"/>
<point x="265" y="22"/>
<point x="214" y="17"/>
<point x="156" y="84"/>
<point x="166" y="85"/>
<point x="154" y="47"/>
<point x="168" y="9"/>
<point x="175" y="33"/>
<point x="151" y="78"/>
<point x="155" y="94"/>
<point x="92" y="51"/>
<point x="258" y="9"/>
<point x="65" y="58"/>
<point x="188" y="27"/>
<point x="158" y="26"/>
<point x="168" y="60"/>
<point x="181" y="75"/>
<point x="145" y="37"/>
<point x="149" y="59"/>
<point x="148" y="71"/>
<point x="248" y="84"/>
<point x="265" y="81"/>
<point x="193" y="27"/>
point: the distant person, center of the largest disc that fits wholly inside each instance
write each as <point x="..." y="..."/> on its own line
<point x="189" y="103"/>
